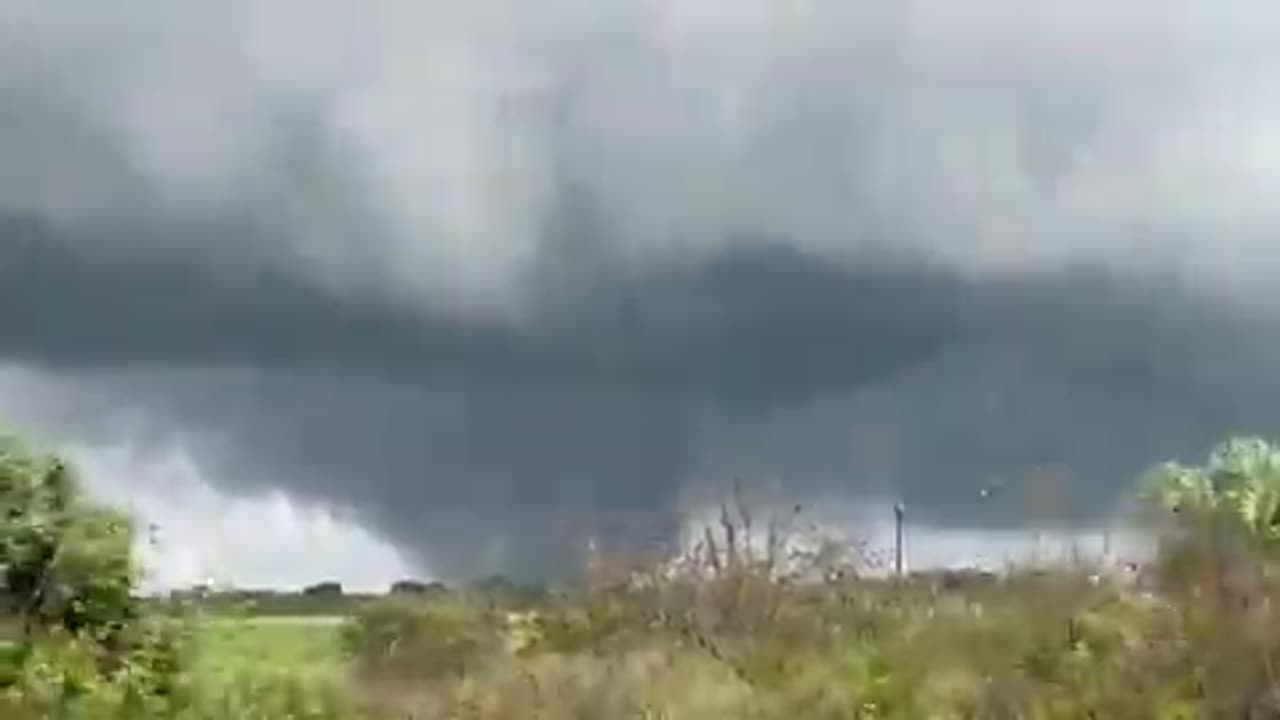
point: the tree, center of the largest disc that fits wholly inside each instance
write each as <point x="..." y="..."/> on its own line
<point x="63" y="559"/>
<point x="1238" y="487"/>
<point x="408" y="587"/>
<point x="323" y="590"/>
<point x="90" y="582"/>
<point x="1220" y="521"/>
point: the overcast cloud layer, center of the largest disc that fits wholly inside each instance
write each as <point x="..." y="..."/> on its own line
<point x="482" y="279"/>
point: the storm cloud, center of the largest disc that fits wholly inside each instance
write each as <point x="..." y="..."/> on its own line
<point x="478" y="277"/>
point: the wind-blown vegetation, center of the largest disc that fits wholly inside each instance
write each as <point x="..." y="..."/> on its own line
<point x="738" y="628"/>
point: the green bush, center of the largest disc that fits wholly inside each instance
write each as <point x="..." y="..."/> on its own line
<point x="63" y="560"/>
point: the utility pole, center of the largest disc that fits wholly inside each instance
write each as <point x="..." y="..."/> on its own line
<point x="899" y="510"/>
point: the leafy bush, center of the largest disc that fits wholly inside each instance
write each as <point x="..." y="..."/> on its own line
<point x="63" y="560"/>
<point x="1235" y="495"/>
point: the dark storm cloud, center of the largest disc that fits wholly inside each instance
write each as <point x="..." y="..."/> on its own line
<point x="491" y="271"/>
<point x="604" y="409"/>
<point x="749" y="322"/>
<point x="758" y="319"/>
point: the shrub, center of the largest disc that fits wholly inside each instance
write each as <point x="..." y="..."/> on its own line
<point x="63" y="560"/>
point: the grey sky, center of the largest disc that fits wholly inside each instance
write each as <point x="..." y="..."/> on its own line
<point x="466" y="271"/>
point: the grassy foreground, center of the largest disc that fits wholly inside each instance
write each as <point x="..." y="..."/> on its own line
<point x="228" y="648"/>
<point x="1061" y="644"/>
<point x="738" y="628"/>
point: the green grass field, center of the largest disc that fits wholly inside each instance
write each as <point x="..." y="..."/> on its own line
<point x="230" y="647"/>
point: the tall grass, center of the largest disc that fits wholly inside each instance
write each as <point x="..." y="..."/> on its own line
<point x="732" y="632"/>
<point x="725" y="633"/>
<point x="746" y="623"/>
